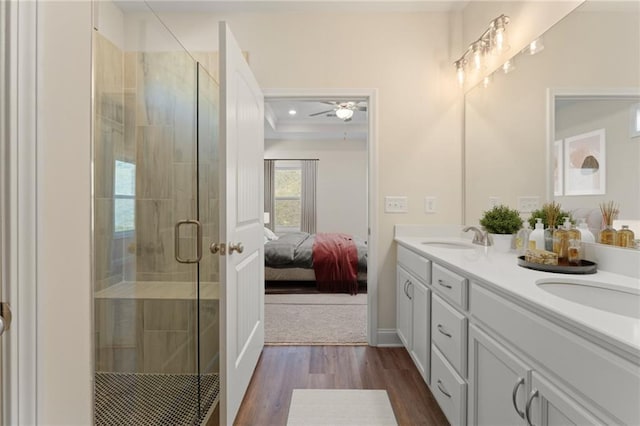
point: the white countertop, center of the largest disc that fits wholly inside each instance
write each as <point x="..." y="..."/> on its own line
<point x="500" y="271"/>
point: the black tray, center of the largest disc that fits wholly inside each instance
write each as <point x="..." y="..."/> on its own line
<point x="585" y="267"/>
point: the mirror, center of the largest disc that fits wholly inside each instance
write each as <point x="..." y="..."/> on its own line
<point x="588" y="71"/>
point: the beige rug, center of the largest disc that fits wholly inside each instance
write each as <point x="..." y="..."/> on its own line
<point x="304" y="319"/>
<point x="340" y="407"/>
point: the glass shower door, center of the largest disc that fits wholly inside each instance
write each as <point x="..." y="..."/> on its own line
<point x="209" y="217"/>
<point x="147" y="236"/>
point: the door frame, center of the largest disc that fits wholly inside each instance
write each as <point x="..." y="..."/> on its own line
<point x="371" y="95"/>
<point x="19" y="219"/>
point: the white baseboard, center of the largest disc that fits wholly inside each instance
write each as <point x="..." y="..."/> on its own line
<point x="387" y="337"/>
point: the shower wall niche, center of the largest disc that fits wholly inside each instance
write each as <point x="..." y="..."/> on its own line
<point x="155" y="164"/>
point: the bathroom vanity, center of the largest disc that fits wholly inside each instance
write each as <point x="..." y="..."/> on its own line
<point x="499" y="344"/>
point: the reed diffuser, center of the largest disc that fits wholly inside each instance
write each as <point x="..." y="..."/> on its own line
<point x="609" y="211"/>
<point x="552" y="213"/>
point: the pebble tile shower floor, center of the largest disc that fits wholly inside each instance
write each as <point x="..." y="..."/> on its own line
<point x="153" y="399"/>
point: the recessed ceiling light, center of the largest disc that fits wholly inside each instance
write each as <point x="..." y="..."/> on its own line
<point x="292" y="112"/>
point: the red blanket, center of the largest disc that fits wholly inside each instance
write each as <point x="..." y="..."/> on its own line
<point x="335" y="263"/>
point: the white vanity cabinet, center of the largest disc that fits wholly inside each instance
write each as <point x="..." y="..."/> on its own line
<point x="493" y="357"/>
<point x="498" y="382"/>
<point x="413" y="307"/>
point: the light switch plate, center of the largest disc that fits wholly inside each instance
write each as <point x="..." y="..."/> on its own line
<point x="396" y="204"/>
<point x="430" y="205"/>
<point x="528" y="204"/>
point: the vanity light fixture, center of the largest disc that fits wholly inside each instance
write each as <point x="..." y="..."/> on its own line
<point x="493" y="40"/>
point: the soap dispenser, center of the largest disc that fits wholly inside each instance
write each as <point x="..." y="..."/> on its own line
<point x="522" y="238"/>
<point x="585" y="234"/>
<point x="536" y="238"/>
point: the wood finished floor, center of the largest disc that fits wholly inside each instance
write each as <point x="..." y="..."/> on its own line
<point x="282" y="369"/>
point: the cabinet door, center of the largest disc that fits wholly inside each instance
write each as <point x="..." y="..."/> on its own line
<point x="548" y="405"/>
<point x="421" y="343"/>
<point x="403" y="307"/>
<point x="497" y="382"/>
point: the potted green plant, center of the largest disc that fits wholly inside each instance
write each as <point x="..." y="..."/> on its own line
<point x="502" y="223"/>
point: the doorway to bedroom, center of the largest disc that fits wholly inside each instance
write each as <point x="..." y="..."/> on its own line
<point x="317" y="219"/>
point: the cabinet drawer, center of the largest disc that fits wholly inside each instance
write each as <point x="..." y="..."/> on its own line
<point x="449" y="333"/>
<point x="451" y="285"/>
<point x="448" y="388"/>
<point x="416" y="264"/>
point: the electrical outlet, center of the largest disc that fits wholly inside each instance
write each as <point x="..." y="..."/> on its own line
<point x="494" y="201"/>
<point x="528" y="204"/>
<point x="396" y="204"/>
<point x="430" y="205"/>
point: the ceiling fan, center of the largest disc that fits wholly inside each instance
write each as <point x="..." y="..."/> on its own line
<point x="342" y="110"/>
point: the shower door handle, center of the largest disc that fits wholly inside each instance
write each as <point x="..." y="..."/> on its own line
<point x="176" y="236"/>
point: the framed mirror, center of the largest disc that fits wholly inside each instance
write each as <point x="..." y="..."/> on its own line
<point x="589" y="69"/>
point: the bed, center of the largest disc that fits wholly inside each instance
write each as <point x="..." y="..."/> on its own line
<point x="290" y="257"/>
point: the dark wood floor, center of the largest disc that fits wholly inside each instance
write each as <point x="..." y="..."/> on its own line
<point x="284" y="368"/>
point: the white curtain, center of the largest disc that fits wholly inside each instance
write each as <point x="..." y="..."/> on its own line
<point x="269" y="191"/>
<point x="308" y="196"/>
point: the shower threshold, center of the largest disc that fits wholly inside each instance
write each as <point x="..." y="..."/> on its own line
<point x="153" y="399"/>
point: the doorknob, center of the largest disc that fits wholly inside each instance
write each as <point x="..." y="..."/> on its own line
<point x="5" y="317"/>
<point x="218" y="248"/>
<point x="235" y="247"/>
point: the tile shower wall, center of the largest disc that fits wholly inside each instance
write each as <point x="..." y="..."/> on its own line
<point x="145" y="109"/>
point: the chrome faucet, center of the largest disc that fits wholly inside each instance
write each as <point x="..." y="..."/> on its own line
<point x="479" y="236"/>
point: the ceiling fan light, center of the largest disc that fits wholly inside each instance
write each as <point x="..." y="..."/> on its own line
<point x="344" y="113"/>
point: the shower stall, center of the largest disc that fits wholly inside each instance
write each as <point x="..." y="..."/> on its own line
<point x="155" y="202"/>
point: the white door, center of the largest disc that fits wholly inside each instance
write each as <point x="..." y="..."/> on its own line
<point x="241" y="224"/>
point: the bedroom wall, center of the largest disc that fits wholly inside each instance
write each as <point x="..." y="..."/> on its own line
<point x="342" y="180"/>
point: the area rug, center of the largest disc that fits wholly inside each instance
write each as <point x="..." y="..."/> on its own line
<point x="306" y="319"/>
<point x="340" y="407"/>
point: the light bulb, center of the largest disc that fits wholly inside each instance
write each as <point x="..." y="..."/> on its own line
<point x="460" y="71"/>
<point x="292" y="112"/>
<point x="498" y="35"/>
<point x="477" y="55"/>
<point x="536" y="46"/>
<point x="508" y="66"/>
<point x="344" y="113"/>
<point x="486" y="81"/>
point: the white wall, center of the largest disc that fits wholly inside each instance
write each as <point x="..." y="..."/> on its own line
<point x="407" y="57"/>
<point x="64" y="299"/>
<point x="342" y="180"/>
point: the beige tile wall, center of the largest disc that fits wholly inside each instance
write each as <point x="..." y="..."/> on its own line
<point x="145" y="113"/>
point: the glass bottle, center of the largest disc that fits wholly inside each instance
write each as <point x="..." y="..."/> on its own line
<point x="548" y="238"/>
<point x="625" y="237"/>
<point x="522" y="238"/>
<point x="574" y="252"/>
<point x="608" y="236"/>
<point x="561" y="241"/>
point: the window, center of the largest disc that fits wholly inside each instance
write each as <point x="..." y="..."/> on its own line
<point x="124" y="197"/>
<point x="287" y="200"/>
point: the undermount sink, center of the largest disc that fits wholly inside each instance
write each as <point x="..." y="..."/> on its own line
<point x="617" y="300"/>
<point x="449" y="244"/>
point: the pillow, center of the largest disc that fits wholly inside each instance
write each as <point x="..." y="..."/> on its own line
<point x="269" y="235"/>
